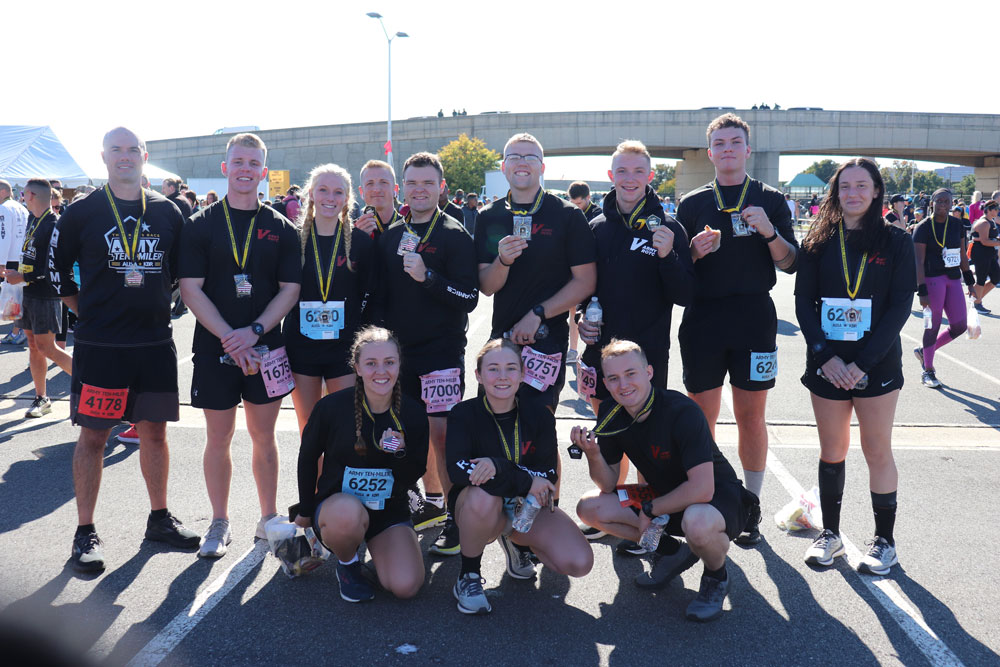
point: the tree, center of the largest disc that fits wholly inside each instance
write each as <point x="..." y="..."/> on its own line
<point x="466" y="162"/>
<point x="661" y="174"/>
<point x="967" y="185"/>
<point x="824" y="169"/>
<point x="667" y="188"/>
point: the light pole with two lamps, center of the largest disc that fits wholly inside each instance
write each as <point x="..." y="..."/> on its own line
<point x="388" y="144"/>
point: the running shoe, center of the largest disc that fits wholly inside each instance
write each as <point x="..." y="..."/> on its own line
<point x="880" y="558"/>
<point x="980" y="308"/>
<point x="666" y="568"/>
<point x="824" y="549"/>
<point x="572" y="356"/>
<point x="216" y="539"/>
<point x="261" y="532"/>
<point x="707" y="606"/>
<point x="7" y="340"/>
<point x="20" y="338"/>
<point x="630" y="548"/>
<point x="39" y="407"/>
<point x="751" y="532"/>
<point x="519" y="566"/>
<point x="170" y="530"/>
<point x="918" y="352"/>
<point x="129" y="436"/>
<point x="470" y="595"/>
<point x="88" y="553"/>
<point x="428" y="516"/>
<point x="415" y="498"/>
<point x="447" y="543"/>
<point x="354" y="584"/>
<point x="929" y="379"/>
<point x="590" y="532"/>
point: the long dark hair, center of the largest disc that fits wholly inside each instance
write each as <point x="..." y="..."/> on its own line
<point x="874" y="229"/>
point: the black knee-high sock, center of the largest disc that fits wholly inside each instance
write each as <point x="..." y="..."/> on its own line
<point x="471" y="564"/>
<point x="831" y="492"/>
<point x="884" y="507"/>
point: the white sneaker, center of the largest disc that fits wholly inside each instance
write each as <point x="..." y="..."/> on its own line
<point x="880" y="558"/>
<point x="261" y="533"/>
<point x="218" y="537"/>
<point x="518" y="564"/>
<point x="826" y="547"/>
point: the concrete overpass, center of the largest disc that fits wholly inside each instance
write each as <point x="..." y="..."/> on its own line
<point x="965" y="139"/>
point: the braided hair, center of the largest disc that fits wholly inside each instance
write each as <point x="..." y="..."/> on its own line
<point x="370" y="334"/>
<point x="307" y="213"/>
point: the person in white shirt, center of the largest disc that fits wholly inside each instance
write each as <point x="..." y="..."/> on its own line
<point x="13" y="220"/>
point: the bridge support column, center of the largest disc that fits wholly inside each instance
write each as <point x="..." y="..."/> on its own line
<point x="764" y="167"/>
<point x="988" y="177"/>
<point x="693" y="172"/>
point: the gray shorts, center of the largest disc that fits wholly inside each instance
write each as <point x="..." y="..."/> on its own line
<point x="40" y="316"/>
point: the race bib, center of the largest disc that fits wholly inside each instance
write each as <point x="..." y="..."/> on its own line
<point x="407" y="243"/>
<point x="846" y="319"/>
<point x="441" y="390"/>
<point x="321" y="321"/>
<point x="372" y="486"/>
<point x="277" y="373"/>
<point x="540" y="370"/>
<point x="586" y="380"/>
<point x="763" y="366"/>
<point x="951" y="257"/>
<point x="102" y="403"/>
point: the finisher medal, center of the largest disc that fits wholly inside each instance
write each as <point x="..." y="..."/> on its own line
<point x="407" y="243"/>
<point x="243" y="286"/>
<point x="740" y="227"/>
<point x="522" y="227"/>
<point x="133" y="277"/>
<point x="652" y="223"/>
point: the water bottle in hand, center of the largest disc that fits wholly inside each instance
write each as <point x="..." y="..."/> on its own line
<point x="650" y="538"/>
<point x="524" y="518"/>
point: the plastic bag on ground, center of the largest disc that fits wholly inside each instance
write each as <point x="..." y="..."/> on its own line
<point x="802" y="513"/>
<point x="297" y="549"/>
<point x="973" y="329"/>
<point x="10" y="301"/>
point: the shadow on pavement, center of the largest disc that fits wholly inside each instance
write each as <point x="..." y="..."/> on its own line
<point x="984" y="409"/>
<point x="786" y="328"/>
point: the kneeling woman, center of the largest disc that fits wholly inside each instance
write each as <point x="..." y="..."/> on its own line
<point x="498" y="452"/>
<point x="375" y="445"/>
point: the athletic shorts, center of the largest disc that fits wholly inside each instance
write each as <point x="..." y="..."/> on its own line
<point x="378" y="520"/>
<point x="40" y="316"/>
<point x="733" y="335"/>
<point x="986" y="264"/>
<point x="732" y="500"/>
<point x="219" y="386"/>
<point x="415" y="365"/>
<point x="334" y="364"/>
<point x="886" y="376"/>
<point x="112" y="384"/>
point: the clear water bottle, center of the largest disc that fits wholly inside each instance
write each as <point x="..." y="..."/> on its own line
<point x="594" y="313"/>
<point x="524" y="518"/>
<point x="650" y="538"/>
<point x="541" y="333"/>
<point x="927" y="317"/>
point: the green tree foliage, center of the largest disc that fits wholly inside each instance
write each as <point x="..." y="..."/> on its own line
<point x="824" y="169"/>
<point x="966" y="186"/>
<point x="466" y="162"/>
<point x="667" y="188"/>
<point x="661" y="174"/>
<point x="897" y="178"/>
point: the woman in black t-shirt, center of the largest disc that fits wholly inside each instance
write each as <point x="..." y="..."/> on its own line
<point x="853" y="294"/>
<point x="983" y="254"/>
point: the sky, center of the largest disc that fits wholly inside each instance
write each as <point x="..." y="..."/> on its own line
<point x="189" y="68"/>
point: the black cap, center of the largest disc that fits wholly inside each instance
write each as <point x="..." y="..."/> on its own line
<point x="896" y="198"/>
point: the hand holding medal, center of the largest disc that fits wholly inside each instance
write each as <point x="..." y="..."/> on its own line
<point x="757" y="221"/>
<point x="367" y="222"/>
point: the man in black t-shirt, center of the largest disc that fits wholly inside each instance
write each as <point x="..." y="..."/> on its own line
<point x="579" y="194"/>
<point x="171" y="190"/>
<point x="378" y="189"/>
<point x="124" y="360"/>
<point x="691" y="489"/>
<point x="240" y="270"/>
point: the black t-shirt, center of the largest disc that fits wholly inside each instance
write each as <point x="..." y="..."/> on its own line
<point x="455" y="212"/>
<point x="635" y="287"/>
<point x="951" y="232"/>
<point x="207" y="252"/>
<point x="672" y="440"/>
<point x="593" y="210"/>
<point x="349" y="286"/>
<point x="472" y="434"/>
<point x="35" y="254"/>
<point x="742" y="264"/>
<point x="331" y="432"/>
<point x="182" y="204"/>
<point x="889" y="280"/>
<point x="560" y="239"/>
<point x="109" y="312"/>
<point x="431" y="315"/>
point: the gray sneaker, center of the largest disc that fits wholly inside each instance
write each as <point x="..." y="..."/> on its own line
<point x="666" y="568"/>
<point x="262" y="526"/>
<point x="518" y="564"/>
<point x="707" y="606"/>
<point x="469" y="593"/>
<point x="216" y="539"/>
<point x="39" y="407"/>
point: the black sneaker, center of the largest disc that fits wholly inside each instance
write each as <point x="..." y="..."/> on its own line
<point x="980" y="308"/>
<point x="447" y="543"/>
<point x="354" y="584"/>
<point x="666" y="568"/>
<point x="170" y="530"/>
<point x="428" y="516"/>
<point x="590" y="532"/>
<point x="751" y="532"/>
<point x="707" y="606"/>
<point x="630" y="548"/>
<point x="88" y="553"/>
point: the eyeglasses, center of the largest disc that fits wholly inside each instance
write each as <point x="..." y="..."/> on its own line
<point x="530" y="159"/>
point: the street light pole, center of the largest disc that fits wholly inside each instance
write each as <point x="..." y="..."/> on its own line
<point x="376" y="15"/>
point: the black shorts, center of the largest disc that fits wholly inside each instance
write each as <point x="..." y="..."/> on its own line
<point x="732" y="500"/>
<point x="886" y="376"/>
<point x="415" y="365"/>
<point x="334" y="363"/>
<point x="123" y="383"/>
<point x="379" y="521"/>
<point x="735" y="335"/>
<point x="986" y="264"/>
<point x="219" y="386"/>
<point x="40" y="316"/>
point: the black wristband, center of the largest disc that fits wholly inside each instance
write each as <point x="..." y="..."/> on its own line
<point x="647" y="509"/>
<point x="969" y="279"/>
<point x="501" y="261"/>
<point x="922" y="289"/>
<point x="771" y="238"/>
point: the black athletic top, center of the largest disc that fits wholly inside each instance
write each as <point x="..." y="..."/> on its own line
<point x="330" y="431"/>
<point x="207" y="252"/>
<point x="742" y="264"/>
<point x="951" y="232"/>
<point x="182" y="204"/>
<point x="672" y="440"/>
<point x="35" y="254"/>
<point x="473" y="434"/>
<point x="981" y="253"/>
<point x="434" y="312"/>
<point x="109" y="312"/>
<point x="560" y="239"/>
<point x="455" y="212"/>
<point x="636" y="289"/>
<point x="889" y="280"/>
<point x="348" y="286"/>
<point x="592" y="211"/>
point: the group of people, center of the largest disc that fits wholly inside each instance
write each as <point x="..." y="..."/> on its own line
<point x="372" y="312"/>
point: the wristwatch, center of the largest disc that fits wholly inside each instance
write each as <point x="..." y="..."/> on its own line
<point x="257" y="328"/>
<point x="771" y="238"/>
<point x="647" y="509"/>
<point x="429" y="277"/>
<point x="540" y="311"/>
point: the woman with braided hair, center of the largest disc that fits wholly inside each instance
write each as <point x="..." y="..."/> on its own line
<point x="374" y="446"/>
<point x="336" y="263"/>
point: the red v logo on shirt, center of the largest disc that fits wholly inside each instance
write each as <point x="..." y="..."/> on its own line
<point x="525" y="447"/>
<point x="261" y="233"/>
<point x="341" y="261"/>
<point x="537" y="227"/>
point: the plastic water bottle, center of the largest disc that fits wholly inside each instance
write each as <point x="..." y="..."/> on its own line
<point x="594" y="313"/>
<point x="543" y="332"/>
<point x="651" y="536"/>
<point x="927" y="317"/>
<point x="973" y="329"/>
<point x="524" y="518"/>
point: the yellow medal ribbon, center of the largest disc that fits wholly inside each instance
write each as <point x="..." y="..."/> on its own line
<point x="539" y="198"/>
<point x="384" y="226"/>
<point x="631" y="222"/>
<point x="607" y="420"/>
<point x="134" y="243"/>
<point x="392" y="413"/>
<point x="944" y="236"/>
<point x="232" y="236"/>
<point x="325" y="291"/>
<point x="30" y="234"/>
<point x="721" y="205"/>
<point x="430" y="230"/>
<point x="516" y="458"/>
<point x="847" y="276"/>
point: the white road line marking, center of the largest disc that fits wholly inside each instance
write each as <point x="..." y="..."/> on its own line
<point x="160" y="646"/>
<point x="985" y="376"/>
<point x="186" y="359"/>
